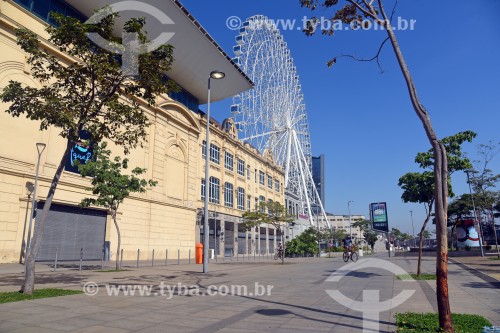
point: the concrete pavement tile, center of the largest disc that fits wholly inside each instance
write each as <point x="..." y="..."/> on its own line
<point x="32" y="319"/>
<point x="101" y="329"/>
<point x="70" y="324"/>
<point x="258" y="325"/>
<point x="4" y="315"/>
<point x="238" y="330"/>
<point x="105" y="316"/>
<point x="216" y="313"/>
<point x="166" y="328"/>
<point x="34" y="329"/>
<point x="153" y="317"/>
<point x="6" y="326"/>
<point x="130" y="324"/>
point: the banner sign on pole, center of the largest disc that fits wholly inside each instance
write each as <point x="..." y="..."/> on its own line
<point x="378" y="215"/>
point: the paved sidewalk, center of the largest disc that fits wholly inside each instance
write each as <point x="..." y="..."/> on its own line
<point x="298" y="301"/>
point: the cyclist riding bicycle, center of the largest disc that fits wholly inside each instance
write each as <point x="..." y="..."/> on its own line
<point x="348" y="244"/>
<point x="349" y="250"/>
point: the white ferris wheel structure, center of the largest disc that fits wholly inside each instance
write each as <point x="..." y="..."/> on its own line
<point x="272" y="116"/>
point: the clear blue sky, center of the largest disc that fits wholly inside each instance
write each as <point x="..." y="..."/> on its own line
<point x="362" y="120"/>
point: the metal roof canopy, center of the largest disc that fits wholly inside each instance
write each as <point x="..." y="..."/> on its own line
<point x="196" y="53"/>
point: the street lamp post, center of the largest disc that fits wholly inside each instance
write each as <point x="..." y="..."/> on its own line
<point x="413" y="229"/>
<point x="349" y="208"/>
<point x="216" y="75"/>
<point x="40" y="147"/>
<point x="29" y="188"/>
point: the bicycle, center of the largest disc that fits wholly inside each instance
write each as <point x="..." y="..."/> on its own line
<point x="278" y="255"/>
<point x="349" y="254"/>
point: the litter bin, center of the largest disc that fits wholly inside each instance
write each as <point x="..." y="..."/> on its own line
<point x="199" y="253"/>
<point x="360" y="251"/>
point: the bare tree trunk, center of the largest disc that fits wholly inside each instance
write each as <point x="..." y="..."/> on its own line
<point x="29" y="270"/>
<point x="440" y="183"/>
<point x="118" y="266"/>
<point x="421" y="240"/>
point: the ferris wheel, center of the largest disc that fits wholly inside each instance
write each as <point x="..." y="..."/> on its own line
<point x="272" y="116"/>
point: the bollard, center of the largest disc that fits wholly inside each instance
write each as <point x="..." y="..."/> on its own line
<point x="81" y="259"/>
<point x="121" y="258"/>
<point x="138" y="251"/>
<point x="253" y="255"/>
<point x="153" y="259"/>
<point x="189" y="257"/>
<point x="55" y="260"/>
<point x="102" y="261"/>
<point x="166" y="257"/>
<point x="178" y="256"/>
<point x="237" y="255"/>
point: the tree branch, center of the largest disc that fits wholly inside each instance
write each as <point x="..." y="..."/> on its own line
<point x="363" y="10"/>
<point x="394" y="10"/>
<point x="376" y="57"/>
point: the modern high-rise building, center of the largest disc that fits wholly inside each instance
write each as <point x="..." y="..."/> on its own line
<point x="318" y="173"/>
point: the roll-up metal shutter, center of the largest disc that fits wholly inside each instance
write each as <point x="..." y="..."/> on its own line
<point x="229" y="239"/>
<point x="70" y="229"/>
<point x="242" y="242"/>
<point x="263" y="240"/>
<point x="214" y="238"/>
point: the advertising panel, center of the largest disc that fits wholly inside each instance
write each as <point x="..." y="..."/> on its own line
<point x="378" y="215"/>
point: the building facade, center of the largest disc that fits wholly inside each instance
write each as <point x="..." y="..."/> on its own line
<point x="341" y="222"/>
<point x="166" y="218"/>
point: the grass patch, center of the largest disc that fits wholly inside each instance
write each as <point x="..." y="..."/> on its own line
<point x="15" y="296"/>
<point x="495" y="258"/>
<point x="411" y="322"/>
<point x="415" y="277"/>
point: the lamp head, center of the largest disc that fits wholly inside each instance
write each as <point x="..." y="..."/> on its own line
<point x="30" y="187"/>
<point x="217" y="75"/>
<point x="40" y="147"/>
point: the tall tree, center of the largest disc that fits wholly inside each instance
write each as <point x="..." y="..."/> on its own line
<point x="271" y="212"/>
<point x="90" y="92"/>
<point x="110" y="186"/>
<point x="355" y="12"/>
<point x="482" y="179"/>
<point x="420" y="187"/>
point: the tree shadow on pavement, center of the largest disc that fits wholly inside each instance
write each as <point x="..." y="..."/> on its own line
<point x="478" y="285"/>
<point x="43" y="278"/>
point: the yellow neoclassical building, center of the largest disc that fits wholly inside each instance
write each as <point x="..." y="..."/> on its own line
<point x="167" y="217"/>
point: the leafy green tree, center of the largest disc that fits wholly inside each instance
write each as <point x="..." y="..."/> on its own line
<point x="304" y="244"/>
<point x="369" y="235"/>
<point x="334" y="235"/>
<point x="360" y="13"/>
<point x="88" y="92"/>
<point x="271" y="212"/>
<point x="110" y="186"/>
<point x="396" y="234"/>
<point x="420" y="187"/>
